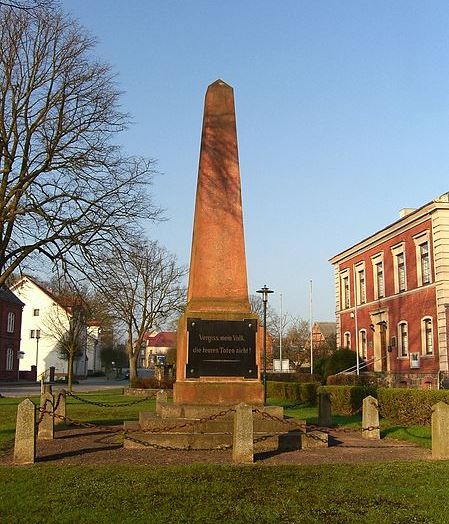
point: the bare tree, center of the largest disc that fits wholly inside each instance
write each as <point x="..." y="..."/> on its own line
<point x="67" y="325"/>
<point x="295" y="341"/>
<point x="26" y="5"/>
<point x="142" y="287"/>
<point x="66" y="187"/>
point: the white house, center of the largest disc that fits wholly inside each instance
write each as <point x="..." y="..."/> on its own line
<point x="44" y="318"/>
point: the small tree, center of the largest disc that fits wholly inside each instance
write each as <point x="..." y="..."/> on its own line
<point x="68" y="326"/>
<point x="142" y="289"/>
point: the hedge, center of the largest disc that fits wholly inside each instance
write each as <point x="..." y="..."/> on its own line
<point x="292" y="377"/>
<point x="347" y="400"/>
<point x="300" y="393"/>
<point x="409" y="407"/>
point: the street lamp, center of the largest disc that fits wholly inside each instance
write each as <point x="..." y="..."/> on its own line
<point x="264" y="292"/>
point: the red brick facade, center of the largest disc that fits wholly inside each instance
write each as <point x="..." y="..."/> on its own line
<point x="392" y="289"/>
<point x="10" y="325"/>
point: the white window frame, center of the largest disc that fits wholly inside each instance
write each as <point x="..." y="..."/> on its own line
<point x="401" y="353"/>
<point x="363" y="347"/>
<point x="9" y="359"/>
<point x="420" y="240"/>
<point x="396" y="252"/>
<point x="345" y="294"/>
<point x="375" y="260"/>
<point x="347" y="337"/>
<point x="424" y="337"/>
<point x="11" y="322"/>
<point x="358" y="269"/>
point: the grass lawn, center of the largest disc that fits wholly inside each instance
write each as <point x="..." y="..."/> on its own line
<point x="370" y="493"/>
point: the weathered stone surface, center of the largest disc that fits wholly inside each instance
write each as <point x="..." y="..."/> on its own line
<point x="161" y="397"/>
<point x="25" y="438"/>
<point x="370" y="419"/>
<point x="191" y="411"/>
<point x="440" y="431"/>
<point x="324" y="409"/>
<point x="60" y="406"/>
<point x="218" y="288"/>
<point x="47" y="427"/>
<point x="314" y="439"/>
<point x="242" y="439"/>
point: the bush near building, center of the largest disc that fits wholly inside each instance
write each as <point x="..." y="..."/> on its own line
<point x="409" y="407"/>
<point x="347" y="400"/>
<point x="298" y="392"/>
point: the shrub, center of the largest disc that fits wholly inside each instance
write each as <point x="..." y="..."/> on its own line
<point x="340" y="360"/>
<point x="409" y="407"/>
<point x="346" y="379"/>
<point x="301" y="393"/>
<point x="293" y="377"/>
<point x="347" y="400"/>
<point x="152" y="383"/>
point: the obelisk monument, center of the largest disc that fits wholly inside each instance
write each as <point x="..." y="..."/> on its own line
<point x="218" y="358"/>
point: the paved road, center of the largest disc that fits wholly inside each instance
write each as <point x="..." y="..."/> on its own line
<point x="24" y="389"/>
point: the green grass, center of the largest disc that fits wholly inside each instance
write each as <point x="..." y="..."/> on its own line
<point x="412" y="492"/>
<point x="75" y="409"/>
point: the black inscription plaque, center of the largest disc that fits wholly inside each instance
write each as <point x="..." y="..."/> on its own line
<point x="221" y="348"/>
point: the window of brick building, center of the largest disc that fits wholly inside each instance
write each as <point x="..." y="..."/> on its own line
<point x="427" y="336"/>
<point x="9" y="359"/>
<point x="403" y="339"/>
<point x="11" y="322"/>
<point x="400" y="275"/>
<point x="360" y="283"/>
<point x="423" y="261"/>
<point x="378" y="276"/>
<point x="347" y="340"/>
<point x="345" y="289"/>
<point x="362" y="343"/>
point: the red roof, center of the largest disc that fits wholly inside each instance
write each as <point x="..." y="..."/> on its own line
<point x="164" y="339"/>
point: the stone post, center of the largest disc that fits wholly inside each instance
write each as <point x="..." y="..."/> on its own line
<point x="370" y="419"/>
<point x="161" y="397"/>
<point x="440" y="431"/>
<point x="60" y="406"/>
<point x="47" y="425"/>
<point x="324" y="409"/>
<point x="242" y="438"/>
<point x="25" y="439"/>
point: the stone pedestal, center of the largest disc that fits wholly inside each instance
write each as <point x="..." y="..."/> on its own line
<point x="25" y="438"/>
<point x="60" y="407"/>
<point x="47" y="426"/>
<point x="440" y="431"/>
<point x="370" y="419"/>
<point x="242" y="438"/>
<point x="324" y="409"/>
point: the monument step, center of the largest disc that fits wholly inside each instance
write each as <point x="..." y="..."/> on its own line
<point x="208" y="441"/>
<point x="149" y="420"/>
<point x="172" y="410"/>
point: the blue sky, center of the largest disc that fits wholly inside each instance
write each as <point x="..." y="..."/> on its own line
<point x="342" y="117"/>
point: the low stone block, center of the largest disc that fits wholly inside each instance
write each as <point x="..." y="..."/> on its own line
<point x="161" y="397"/>
<point x="25" y="438"/>
<point x="314" y="439"/>
<point x="242" y="441"/>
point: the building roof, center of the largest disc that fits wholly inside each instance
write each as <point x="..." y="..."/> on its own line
<point x="410" y="217"/>
<point x="163" y="339"/>
<point x="6" y="295"/>
<point x="327" y="328"/>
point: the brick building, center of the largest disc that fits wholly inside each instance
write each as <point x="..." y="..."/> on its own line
<point x="392" y="289"/>
<point x="10" y="326"/>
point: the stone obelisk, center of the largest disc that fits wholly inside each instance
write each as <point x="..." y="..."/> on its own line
<point x="217" y="354"/>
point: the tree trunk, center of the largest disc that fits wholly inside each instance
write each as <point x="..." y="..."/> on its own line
<point x="133" y="366"/>
<point x="70" y="372"/>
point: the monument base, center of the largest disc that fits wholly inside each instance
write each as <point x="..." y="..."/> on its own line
<point x="219" y="393"/>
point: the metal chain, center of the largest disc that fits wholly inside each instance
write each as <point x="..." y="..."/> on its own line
<point x="111" y="404"/>
<point x="185" y="424"/>
<point x="174" y="448"/>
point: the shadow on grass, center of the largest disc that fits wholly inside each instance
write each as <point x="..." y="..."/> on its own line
<point x="77" y="452"/>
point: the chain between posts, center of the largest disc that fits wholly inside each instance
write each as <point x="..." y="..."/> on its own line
<point x="111" y="404"/>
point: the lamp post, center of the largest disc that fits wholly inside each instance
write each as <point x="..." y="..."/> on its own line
<point x="264" y="292"/>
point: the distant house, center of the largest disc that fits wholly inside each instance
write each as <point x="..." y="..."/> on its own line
<point x="44" y="316"/>
<point x="157" y="344"/>
<point x="323" y="333"/>
<point x="10" y="325"/>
